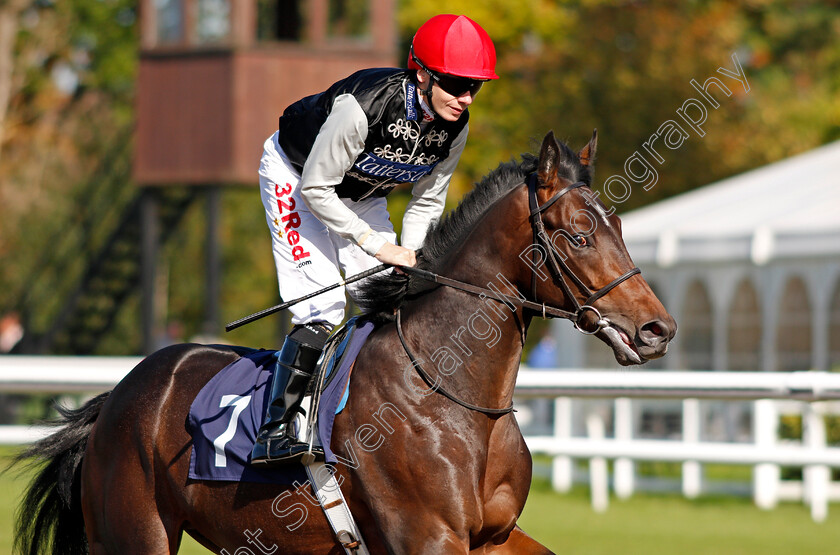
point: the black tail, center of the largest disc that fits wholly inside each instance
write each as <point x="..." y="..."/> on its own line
<point x="49" y="519"/>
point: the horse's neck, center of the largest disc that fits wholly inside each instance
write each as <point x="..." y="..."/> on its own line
<point x="473" y="344"/>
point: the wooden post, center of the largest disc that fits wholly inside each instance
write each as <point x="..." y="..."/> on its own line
<point x="150" y="223"/>
<point x="243" y="23"/>
<point x="317" y="19"/>
<point x="189" y="11"/>
<point x="598" y="473"/>
<point x="766" y="476"/>
<point x="383" y="30"/>
<point x="817" y="477"/>
<point x="148" y="24"/>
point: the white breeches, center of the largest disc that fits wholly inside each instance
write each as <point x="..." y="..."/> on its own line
<point x="307" y="254"/>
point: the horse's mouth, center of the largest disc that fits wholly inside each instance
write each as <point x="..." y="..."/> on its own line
<point x="622" y="345"/>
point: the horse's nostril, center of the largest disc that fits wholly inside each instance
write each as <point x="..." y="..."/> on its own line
<point x="656" y="329"/>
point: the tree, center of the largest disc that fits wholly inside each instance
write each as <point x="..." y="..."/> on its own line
<point x="9" y="13"/>
<point x="67" y="73"/>
<point x="626" y="68"/>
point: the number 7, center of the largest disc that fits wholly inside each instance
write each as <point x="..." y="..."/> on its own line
<point x="239" y="403"/>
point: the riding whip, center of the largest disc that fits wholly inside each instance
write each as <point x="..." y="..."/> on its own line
<point x="287" y="304"/>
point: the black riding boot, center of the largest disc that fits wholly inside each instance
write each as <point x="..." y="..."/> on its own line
<point x="276" y="441"/>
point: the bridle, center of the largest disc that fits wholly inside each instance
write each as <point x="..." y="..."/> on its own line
<point x="559" y="271"/>
<point x="558" y="267"/>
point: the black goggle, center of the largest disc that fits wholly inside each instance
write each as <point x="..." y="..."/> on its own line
<point x="456" y="86"/>
<point x="450" y="84"/>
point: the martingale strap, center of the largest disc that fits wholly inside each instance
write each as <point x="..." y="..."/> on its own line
<point x="436" y="386"/>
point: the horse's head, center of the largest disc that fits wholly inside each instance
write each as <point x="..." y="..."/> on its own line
<point x="591" y="273"/>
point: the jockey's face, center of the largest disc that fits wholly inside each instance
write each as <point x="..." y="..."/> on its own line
<point x="445" y="104"/>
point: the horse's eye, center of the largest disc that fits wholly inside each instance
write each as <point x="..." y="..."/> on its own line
<point x="580" y="240"/>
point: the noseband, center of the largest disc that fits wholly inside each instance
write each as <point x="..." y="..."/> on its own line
<point x="557" y="264"/>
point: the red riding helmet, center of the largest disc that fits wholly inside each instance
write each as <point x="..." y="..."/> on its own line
<point x="455" y="45"/>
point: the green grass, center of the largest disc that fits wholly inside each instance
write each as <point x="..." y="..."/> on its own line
<point x="644" y="524"/>
<point x="11" y="487"/>
<point x="654" y="524"/>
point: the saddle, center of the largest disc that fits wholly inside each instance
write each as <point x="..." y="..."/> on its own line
<point x="333" y="355"/>
<point x="226" y="414"/>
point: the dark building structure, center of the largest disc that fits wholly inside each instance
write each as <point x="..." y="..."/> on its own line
<point x="214" y="77"/>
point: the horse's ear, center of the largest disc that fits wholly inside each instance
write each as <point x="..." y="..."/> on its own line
<point x="549" y="154"/>
<point x="587" y="153"/>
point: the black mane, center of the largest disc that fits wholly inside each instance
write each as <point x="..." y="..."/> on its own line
<point x="381" y="295"/>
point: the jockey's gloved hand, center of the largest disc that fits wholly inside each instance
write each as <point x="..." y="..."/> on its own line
<point x="396" y="255"/>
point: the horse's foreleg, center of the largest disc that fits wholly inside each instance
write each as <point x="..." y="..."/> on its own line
<point x="518" y="543"/>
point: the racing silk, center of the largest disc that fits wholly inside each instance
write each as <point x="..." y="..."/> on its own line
<point x="361" y="138"/>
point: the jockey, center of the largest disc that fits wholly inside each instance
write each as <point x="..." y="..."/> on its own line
<point x="324" y="176"/>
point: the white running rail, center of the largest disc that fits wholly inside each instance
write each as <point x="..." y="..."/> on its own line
<point x="773" y="393"/>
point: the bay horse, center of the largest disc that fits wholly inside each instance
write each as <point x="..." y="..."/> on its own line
<point x="449" y="473"/>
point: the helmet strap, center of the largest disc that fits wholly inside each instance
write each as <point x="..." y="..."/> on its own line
<point x="427" y="92"/>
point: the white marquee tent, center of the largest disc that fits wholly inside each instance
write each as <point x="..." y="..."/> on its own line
<point x="749" y="266"/>
<point x="789" y="209"/>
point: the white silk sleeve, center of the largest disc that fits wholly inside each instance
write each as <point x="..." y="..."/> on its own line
<point x="429" y="196"/>
<point x="339" y="142"/>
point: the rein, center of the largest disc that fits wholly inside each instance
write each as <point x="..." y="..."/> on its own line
<point x="558" y="268"/>
<point x="482" y="292"/>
